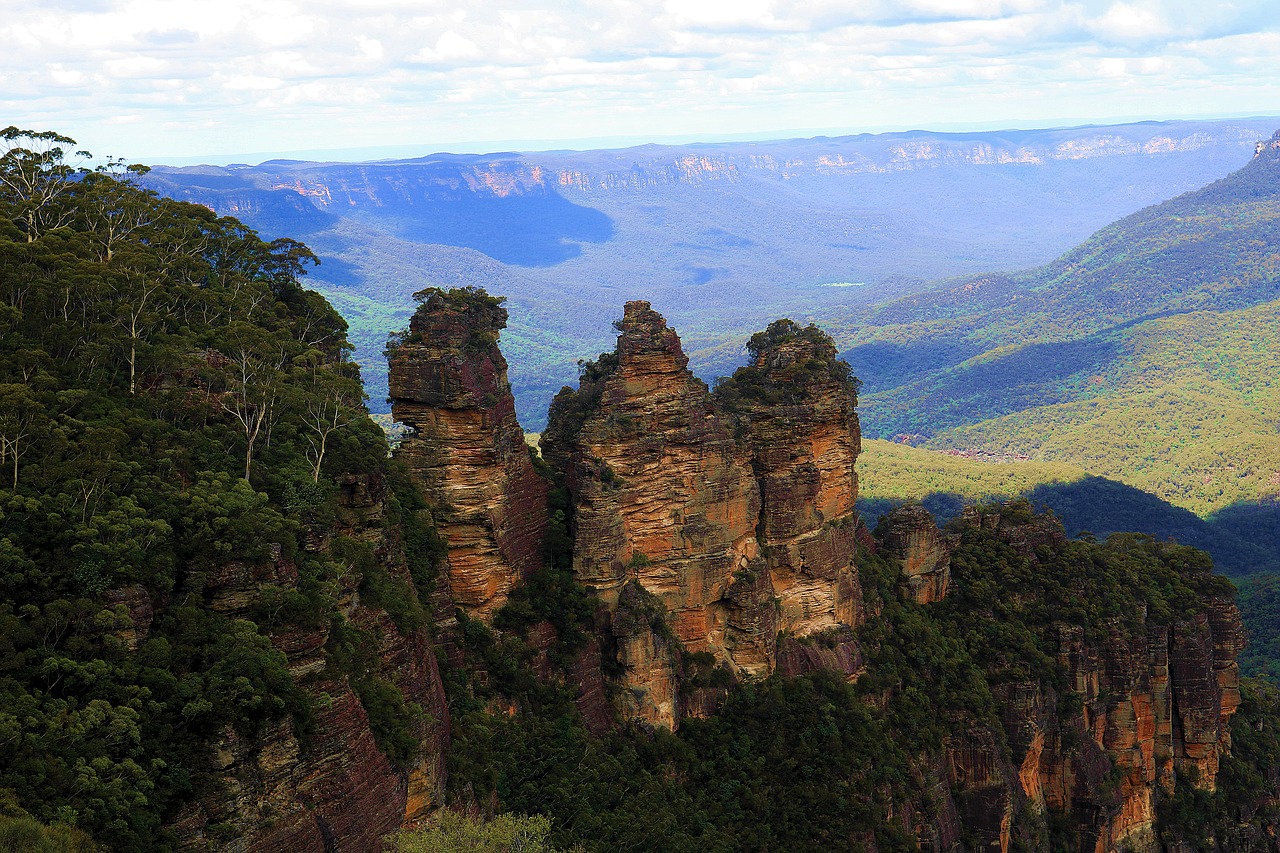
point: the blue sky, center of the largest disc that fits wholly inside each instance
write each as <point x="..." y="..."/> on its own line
<point x="169" y="79"/>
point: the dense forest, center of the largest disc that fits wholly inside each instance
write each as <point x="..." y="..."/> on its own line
<point x="175" y="408"/>
<point x="809" y="763"/>
<point x="171" y="401"/>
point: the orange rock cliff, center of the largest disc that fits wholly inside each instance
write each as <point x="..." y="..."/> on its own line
<point x="722" y="527"/>
<point x="448" y="382"/>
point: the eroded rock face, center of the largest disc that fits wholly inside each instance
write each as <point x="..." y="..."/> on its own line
<point x="133" y="604"/>
<point x="1154" y="699"/>
<point x="910" y="533"/>
<point x="448" y="381"/>
<point x="276" y="795"/>
<point x="663" y="494"/>
<point x="676" y="490"/>
<point x="798" y="408"/>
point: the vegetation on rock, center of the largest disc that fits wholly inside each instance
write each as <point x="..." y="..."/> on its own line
<point x="174" y="409"/>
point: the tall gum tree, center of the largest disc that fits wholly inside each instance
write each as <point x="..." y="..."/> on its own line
<point x="36" y="179"/>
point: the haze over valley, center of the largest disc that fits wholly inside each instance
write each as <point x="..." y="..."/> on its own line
<point x="723" y="237"/>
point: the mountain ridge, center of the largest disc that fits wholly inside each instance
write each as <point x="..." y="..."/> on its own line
<point x="723" y="249"/>
<point x="1164" y="314"/>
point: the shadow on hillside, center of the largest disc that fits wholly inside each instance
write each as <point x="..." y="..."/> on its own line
<point x="1242" y="539"/>
<point x="272" y="213"/>
<point x="338" y="272"/>
<point x="537" y="229"/>
<point x="884" y="364"/>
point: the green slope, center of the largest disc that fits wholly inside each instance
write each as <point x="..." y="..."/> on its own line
<point x="890" y="474"/>
<point x="172" y="402"/>
<point x="1147" y="354"/>
<point x="1187" y="409"/>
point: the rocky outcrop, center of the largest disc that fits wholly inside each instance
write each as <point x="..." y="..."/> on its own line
<point x="736" y="511"/>
<point x="649" y="656"/>
<point x="797" y="405"/>
<point x="1268" y="145"/>
<point x="910" y="534"/>
<point x="133" y="606"/>
<point x="448" y="382"/>
<point x="664" y="497"/>
<point x="276" y="796"/>
<point x="1150" y="708"/>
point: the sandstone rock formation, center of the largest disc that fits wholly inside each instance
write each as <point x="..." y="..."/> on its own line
<point x="798" y="407"/>
<point x="1154" y="699"/>
<point x="910" y="534"/>
<point x="448" y="382"/>
<point x="663" y="496"/>
<point x="676" y="491"/>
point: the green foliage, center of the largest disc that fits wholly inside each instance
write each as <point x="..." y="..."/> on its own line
<point x="1244" y="798"/>
<point x="172" y="405"/>
<point x="353" y="652"/>
<point x="424" y="549"/>
<point x="1241" y="539"/>
<point x="390" y="719"/>
<point x="571" y="408"/>
<point x="378" y="586"/>
<point x="1260" y="608"/>
<point x="1143" y="355"/>
<point x="455" y="832"/>
<point x="772" y="381"/>
<point x="1185" y="410"/>
<point x="25" y="835"/>
<point x="898" y="472"/>
<point x="551" y="595"/>
<point x="718" y="785"/>
<point x="481" y="313"/>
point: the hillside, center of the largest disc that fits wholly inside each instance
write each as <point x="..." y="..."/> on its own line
<point x="1146" y="354"/>
<point x="209" y="630"/>
<point x="229" y="621"/>
<point x="893" y="474"/>
<point x="723" y="237"/>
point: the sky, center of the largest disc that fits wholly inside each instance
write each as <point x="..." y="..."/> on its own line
<point x="181" y="80"/>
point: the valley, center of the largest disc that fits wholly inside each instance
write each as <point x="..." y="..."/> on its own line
<point x="1143" y="354"/>
<point x="723" y="238"/>
<point x="702" y="617"/>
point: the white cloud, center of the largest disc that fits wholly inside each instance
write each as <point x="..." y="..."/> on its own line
<point x="1130" y="22"/>
<point x="201" y="74"/>
<point x="449" y="47"/>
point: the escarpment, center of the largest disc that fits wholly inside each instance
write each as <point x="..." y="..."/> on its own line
<point x="342" y="777"/>
<point x="1145" y="686"/>
<point x="229" y="623"/>
<point x="718" y="536"/>
<point x="448" y="382"/>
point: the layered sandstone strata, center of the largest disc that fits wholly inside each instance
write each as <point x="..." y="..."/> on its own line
<point x="1153" y="699"/>
<point x="683" y="494"/>
<point x="910" y="534"/>
<point x="663" y="497"/>
<point x="274" y="792"/>
<point x="797" y="405"/>
<point x="448" y="382"/>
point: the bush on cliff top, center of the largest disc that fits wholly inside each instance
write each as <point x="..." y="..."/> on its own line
<point x="781" y="381"/>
